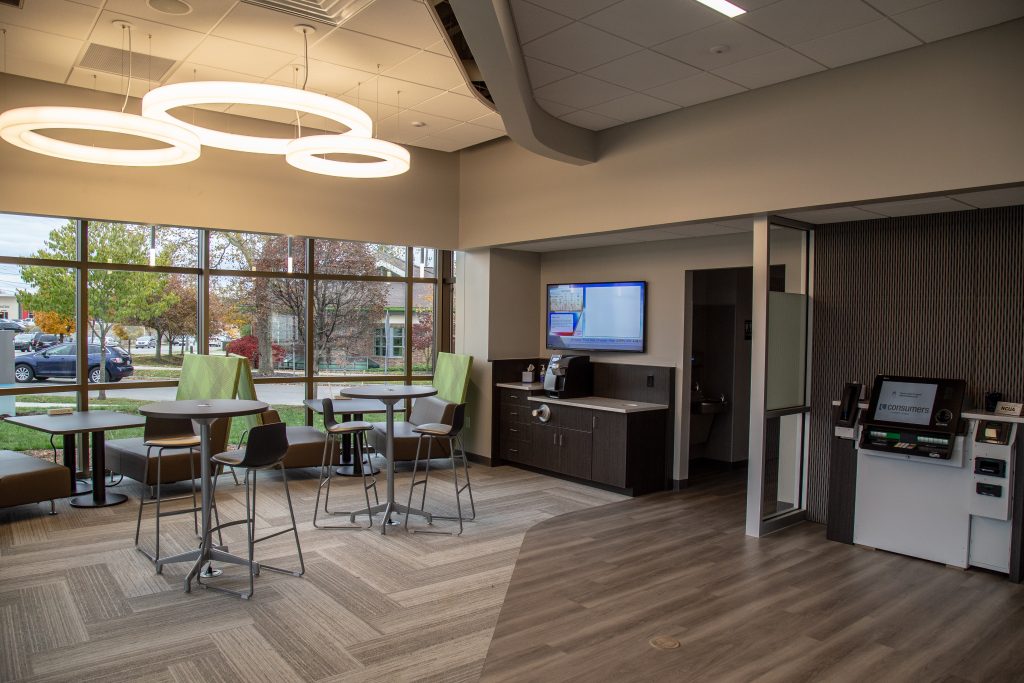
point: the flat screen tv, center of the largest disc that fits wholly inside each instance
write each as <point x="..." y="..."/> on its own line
<point x="597" y="316"/>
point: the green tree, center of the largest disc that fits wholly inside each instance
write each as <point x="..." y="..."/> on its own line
<point x="114" y="295"/>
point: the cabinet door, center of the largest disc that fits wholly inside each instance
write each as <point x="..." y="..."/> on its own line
<point x="543" y="446"/>
<point x="574" y="457"/>
<point x="609" y="450"/>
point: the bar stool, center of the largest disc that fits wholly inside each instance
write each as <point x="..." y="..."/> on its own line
<point x="264" y="450"/>
<point x="163" y="434"/>
<point x="357" y="430"/>
<point x="435" y="431"/>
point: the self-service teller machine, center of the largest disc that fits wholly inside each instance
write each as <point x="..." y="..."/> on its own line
<point x="932" y="481"/>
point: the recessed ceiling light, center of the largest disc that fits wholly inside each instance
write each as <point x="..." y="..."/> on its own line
<point x="417" y="124"/>
<point x="718" y="49"/>
<point x="724" y="6"/>
<point x="170" y="6"/>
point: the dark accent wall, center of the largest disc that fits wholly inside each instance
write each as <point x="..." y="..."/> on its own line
<point x="939" y="295"/>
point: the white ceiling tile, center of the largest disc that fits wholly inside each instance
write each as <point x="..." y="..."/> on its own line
<point x="189" y="71"/>
<point x="454" y="106"/>
<point x="646" y="235"/>
<point x="204" y="15"/>
<point x="891" y="7"/>
<point x="554" y="108"/>
<point x="324" y="77"/>
<point x="266" y="28"/>
<point x="738" y="41"/>
<point x="51" y="16"/>
<point x="388" y="89"/>
<point x="429" y="69"/>
<point x="36" y="54"/>
<point x="984" y="199"/>
<point x="649" y="22"/>
<point x="375" y="110"/>
<point x="360" y="51"/>
<point x="773" y="67"/>
<point x="858" y="43"/>
<point x="633" y="107"/>
<point x="797" y="21"/>
<point x="578" y="47"/>
<point x="913" y="207"/>
<point x="698" y="230"/>
<point x="542" y="73"/>
<point x="642" y="70"/>
<point x="440" y="48"/>
<point x="240" y="57"/>
<point x="533" y="21"/>
<point x="577" y="9"/>
<point x="402" y="126"/>
<point x="700" y="88"/>
<point x="90" y="3"/>
<point x="580" y="91"/>
<point x="462" y="89"/>
<point x="172" y="43"/>
<point x="468" y="134"/>
<point x="492" y="120"/>
<point x="588" y="119"/>
<point x="947" y="18"/>
<point x="439" y="143"/>
<point x="840" y="214"/>
<point x="403" y="21"/>
<point x="83" y="78"/>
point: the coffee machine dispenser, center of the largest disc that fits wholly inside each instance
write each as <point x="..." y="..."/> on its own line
<point x="569" y="377"/>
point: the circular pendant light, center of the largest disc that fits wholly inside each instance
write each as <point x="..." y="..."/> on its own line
<point x="157" y="104"/>
<point x="392" y="159"/>
<point x="18" y="126"/>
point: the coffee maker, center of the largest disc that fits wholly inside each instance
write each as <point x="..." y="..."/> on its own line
<point x="568" y="377"/>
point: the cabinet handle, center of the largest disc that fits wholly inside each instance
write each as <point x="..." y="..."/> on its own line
<point x="513" y="412"/>
<point x="512" y="429"/>
<point x="514" y="397"/>
<point x="554" y="439"/>
<point x="513" y="450"/>
<point x="560" y="439"/>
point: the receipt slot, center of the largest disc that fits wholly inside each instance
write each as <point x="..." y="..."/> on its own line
<point x="993" y="459"/>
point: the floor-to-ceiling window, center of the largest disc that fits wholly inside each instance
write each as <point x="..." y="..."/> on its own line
<point x="110" y="310"/>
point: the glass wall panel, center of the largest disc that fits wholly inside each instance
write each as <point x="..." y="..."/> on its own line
<point x="135" y="244"/>
<point x="351" y="326"/>
<point x="334" y="389"/>
<point x="257" y="251"/>
<point x="17" y="438"/>
<point x="262" y="319"/>
<point x="38" y="236"/>
<point x="336" y="257"/>
<point x="44" y="299"/>
<point x="424" y="313"/>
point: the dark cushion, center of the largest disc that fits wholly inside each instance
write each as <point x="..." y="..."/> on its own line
<point x="305" y="447"/>
<point x="24" y="479"/>
<point x="129" y="457"/>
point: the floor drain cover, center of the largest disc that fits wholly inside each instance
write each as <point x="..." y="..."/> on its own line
<point x="664" y="643"/>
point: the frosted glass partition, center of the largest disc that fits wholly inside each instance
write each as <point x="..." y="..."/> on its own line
<point x="785" y="371"/>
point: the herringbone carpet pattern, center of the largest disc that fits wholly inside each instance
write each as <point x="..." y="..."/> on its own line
<point x="78" y="602"/>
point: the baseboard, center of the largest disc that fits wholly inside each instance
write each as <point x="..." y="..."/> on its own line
<point x="480" y="459"/>
<point x="678" y="484"/>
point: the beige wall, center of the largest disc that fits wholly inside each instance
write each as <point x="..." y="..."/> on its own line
<point x="224" y="189"/>
<point x="515" y="316"/>
<point x="939" y="117"/>
<point x="663" y="265"/>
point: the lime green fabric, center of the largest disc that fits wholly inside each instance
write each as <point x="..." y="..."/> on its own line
<point x="209" y="377"/>
<point x="451" y="376"/>
<point x="246" y="389"/>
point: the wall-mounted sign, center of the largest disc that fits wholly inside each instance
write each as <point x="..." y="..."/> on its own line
<point x="1011" y="409"/>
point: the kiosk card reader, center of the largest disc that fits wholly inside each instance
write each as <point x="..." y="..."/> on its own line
<point x="914" y="416"/>
<point x="993" y="441"/>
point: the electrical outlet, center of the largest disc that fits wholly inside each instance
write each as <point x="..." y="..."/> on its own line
<point x="650" y="380"/>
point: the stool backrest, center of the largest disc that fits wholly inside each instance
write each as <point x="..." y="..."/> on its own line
<point x="458" y="419"/>
<point x="267" y="445"/>
<point x="431" y="409"/>
<point x="166" y="428"/>
<point x="329" y="419"/>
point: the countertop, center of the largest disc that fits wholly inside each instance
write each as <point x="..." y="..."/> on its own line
<point x="612" y="405"/>
<point x="532" y="386"/>
<point x="980" y="414"/>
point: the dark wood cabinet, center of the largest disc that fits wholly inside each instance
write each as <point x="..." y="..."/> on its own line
<point x="626" y="451"/>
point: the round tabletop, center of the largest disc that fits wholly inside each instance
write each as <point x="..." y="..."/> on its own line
<point x="204" y="409"/>
<point x="389" y="392"/>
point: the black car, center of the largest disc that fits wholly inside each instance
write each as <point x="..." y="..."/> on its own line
<point x="23" y="341"/>
<point x="43" y="340"/>
<point x="61" y="361"/>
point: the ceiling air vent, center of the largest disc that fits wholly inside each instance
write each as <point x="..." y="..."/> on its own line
<point x="330" y="12"/>
<point x="114" y="60"/>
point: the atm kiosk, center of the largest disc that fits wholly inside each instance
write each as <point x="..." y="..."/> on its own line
<point x="993" y="443"/>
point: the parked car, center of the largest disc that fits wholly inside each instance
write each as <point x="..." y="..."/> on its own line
<point x="61" y="361"/>
<point x="34" y="341"/>
<point x="8" y="324"/>
<point x="146" y="342"/>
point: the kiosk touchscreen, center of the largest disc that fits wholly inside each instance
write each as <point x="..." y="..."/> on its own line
<point x="913" y="416"/>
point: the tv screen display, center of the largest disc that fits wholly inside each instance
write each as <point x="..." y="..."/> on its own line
<point x="597" y="316"/>
<point x="906" y="402"/>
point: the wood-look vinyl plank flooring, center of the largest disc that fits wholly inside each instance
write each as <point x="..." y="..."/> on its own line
<point x="591" y="588"/>
<point x="77" y="601"/>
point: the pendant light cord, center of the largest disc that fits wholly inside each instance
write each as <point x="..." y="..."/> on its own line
<point x="126" y="27"/>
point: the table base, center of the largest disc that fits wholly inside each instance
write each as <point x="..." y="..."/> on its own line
<point x="82" y="486"/>
<point x="352" y="471"/>
<point x="201" y="558"/>
<point x="90" y="501"/>
<point x="389" y="509"/>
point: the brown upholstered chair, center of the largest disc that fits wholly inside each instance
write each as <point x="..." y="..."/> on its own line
<point x="24" y="479"/>
<point x="305" y="443"/>
<point x="131" y="457"/>
<point x="427" y="410"/>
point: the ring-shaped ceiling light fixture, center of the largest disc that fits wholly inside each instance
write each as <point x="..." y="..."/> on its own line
<point x="18" y="126"/>
<point x="393" y="159"/>
<point x="157" y="104"/>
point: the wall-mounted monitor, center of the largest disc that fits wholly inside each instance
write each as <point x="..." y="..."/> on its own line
<point x="597" y="316"/>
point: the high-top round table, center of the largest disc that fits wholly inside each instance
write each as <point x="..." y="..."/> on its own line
<point x="205" y="412"/>
<point x="390" y="394"/>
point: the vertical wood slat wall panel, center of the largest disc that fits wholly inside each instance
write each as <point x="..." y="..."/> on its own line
<point x="937" y="295"/>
